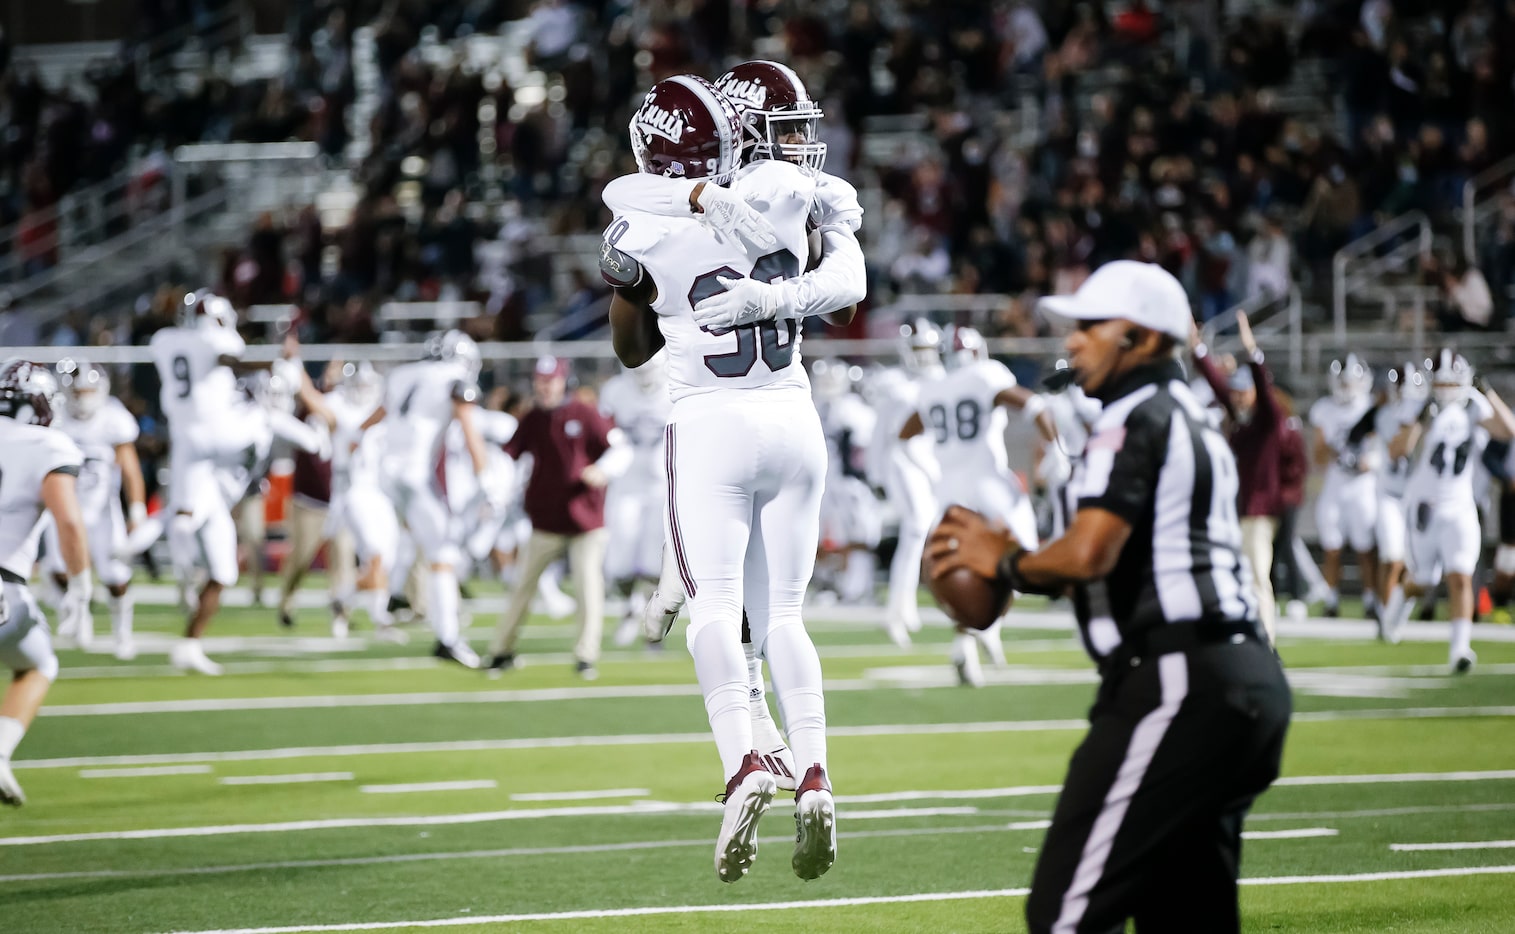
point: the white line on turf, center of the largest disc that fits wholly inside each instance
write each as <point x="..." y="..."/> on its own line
<point x="1302" y="833"/>
<point x="637" y="808"/>
<point x="814" y="903"/>
<point x="546" y="742"/>
<point x="407" y="787"/>
<point x="295" y="779"/>
<point x="581" y="795"/>
<point x="485" y="854"/>
<point x="145" y="771"/>
<point x="1394" y="777"/>
<point x="966" y="793"/>
<point x="1469" y="845"/>
<point x="640" y="739"/>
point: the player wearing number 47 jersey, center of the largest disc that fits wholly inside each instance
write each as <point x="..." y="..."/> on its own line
<point x="744" y="447"/>
<point x="1444" y="538"/>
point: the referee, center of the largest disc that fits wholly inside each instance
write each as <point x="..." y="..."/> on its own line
<point x="1188" y="725"/>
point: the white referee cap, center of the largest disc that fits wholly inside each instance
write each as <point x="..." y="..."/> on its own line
<point x="1144" y="294"/>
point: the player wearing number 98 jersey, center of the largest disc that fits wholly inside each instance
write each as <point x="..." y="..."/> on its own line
<point x="744" y="449"/>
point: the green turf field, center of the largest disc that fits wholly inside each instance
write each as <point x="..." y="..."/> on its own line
<point x="338" y="783"/>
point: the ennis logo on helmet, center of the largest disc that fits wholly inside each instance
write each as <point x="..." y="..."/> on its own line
<point x="655" y="121"/>
<point x="752" y="94"/>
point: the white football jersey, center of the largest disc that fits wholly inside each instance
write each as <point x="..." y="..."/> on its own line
<point x="895" y="394"/>
<point x="28" y="453"/>
<point x="962" y="420"/>
<point x="641" y="415"/>
<point x="1336" y="421"/>
<point x="98" y="437"/>
<point x="418" y="408"/>
<point x="354" y="452"/>
<point x="1073" y="413"/>
<point x="1450" y="448"/>
<point x="847" y="420"/>
<point x="1391" y="417"/>
<point x="196" y="387"/>
<point x="685" y="259"/>
<point x="495" y="429"/>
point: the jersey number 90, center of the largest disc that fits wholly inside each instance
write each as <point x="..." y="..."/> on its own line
<point x="752" y="340"/>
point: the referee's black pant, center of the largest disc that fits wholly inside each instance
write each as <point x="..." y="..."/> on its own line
<point x="1148" y="825"/>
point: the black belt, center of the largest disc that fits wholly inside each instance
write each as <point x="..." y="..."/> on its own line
<point x="1168" y="638"/>
<point x="11" y="577"/>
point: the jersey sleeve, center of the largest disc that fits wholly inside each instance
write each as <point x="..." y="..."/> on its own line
<point x="836" y="203"/>
<point x="648" y="194"/>
<point x="226" y="342"/>
<point x="1320" y="415"/>
<point x="997" y="377"/>
<point x="123" y="425"/>
<point x="57" y="453"/>
<point x="1479" y="407"/>
<point x="1122" y="462"/>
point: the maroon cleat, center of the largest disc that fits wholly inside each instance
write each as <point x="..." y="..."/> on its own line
<point x="814" y="825"/>
<point x="748" y="797"/>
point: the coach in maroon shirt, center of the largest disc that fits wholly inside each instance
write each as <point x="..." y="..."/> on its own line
<point x="1255" y="427"/>
<point x="575" y="451"/>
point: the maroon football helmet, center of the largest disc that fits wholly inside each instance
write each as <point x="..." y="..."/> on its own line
<point x="685" y="128"/>
<point x="26" y="391"/>
<point x="780" y="119"/>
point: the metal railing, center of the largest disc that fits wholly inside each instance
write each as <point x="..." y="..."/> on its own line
<point x="1477" y="201"/>
<point x="1360" y="263"/>
<point x="1269" y="316"/>
<point x="79" y="219"/>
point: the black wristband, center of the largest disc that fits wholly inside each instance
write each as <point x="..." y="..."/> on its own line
<point x="1009" y="574"/>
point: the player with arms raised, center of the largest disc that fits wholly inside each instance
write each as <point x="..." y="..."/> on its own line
<point x="38" y="468"/>
<point x="744" y="448"/>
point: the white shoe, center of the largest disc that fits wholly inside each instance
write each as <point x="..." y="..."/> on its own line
<point x="989" y="639"/>
<point x="189" y="655"/>
<point x="126" y="650"/>
<point x="1463" y="661"/>
<point x="659" y="613"/>
<point x="771" y="747"/>
<point x="339" y="627"/>
<point x="814" y="826"/>
<point x="391" y="634"/>
<point x="556" y="604"/>
<point x="1296" y="610"/>
<point x="969" y="672"/>
<point x="748" y="796"/>
<point x="460" y="652"/>
<point x="899" y="633"/>
<point x="626" y="631"/>
<point x="10" y="789"/>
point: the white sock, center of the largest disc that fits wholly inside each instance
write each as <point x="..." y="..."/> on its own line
<point x="722" y="674"/>
<point x="1369" y="601"/>
<point x="1332" y="596"/>
<point x="443" y="609"/>
<point x="963" y="646"/>
<point x="796" y="670"/>
<point x="378" y="608"/>
<point x="858" y="575"/>
<point x="989" y="638"/>
<point x="755" y="692"/>
<point x="121" y="609"/>
<point x="1462" y="636"/>
<point x="11" y="732"/>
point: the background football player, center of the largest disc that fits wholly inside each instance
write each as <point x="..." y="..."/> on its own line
<point x="1346" y="507"/>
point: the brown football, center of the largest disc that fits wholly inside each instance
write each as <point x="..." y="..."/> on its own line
<point x="970" y="600"/>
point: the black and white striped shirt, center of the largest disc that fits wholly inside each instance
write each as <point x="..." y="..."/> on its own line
<point x="1154" y="459"/>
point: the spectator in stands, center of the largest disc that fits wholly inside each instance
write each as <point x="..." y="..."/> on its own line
<point x="1268" y="258"/>
<point x="1467" y="303"/>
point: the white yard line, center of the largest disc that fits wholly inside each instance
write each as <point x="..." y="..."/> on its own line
<point x="960" y="794"/>
<point x="1303" y="833"/>
<point x="145" y="771"/>
<point x="1401" y="713"/>
<point x="581" y="795"/>
<point x="1470" y="845"/>
<point x="408" y="787"/>
<point x="545" y="742"/>
<point x="1389" y="778"/>
<point x="590" y="914"/>
<point x="1381" y="812"/>
<point x="487" y="854"/>
<point x="635" y="809"/>
<point x="298" y="778"/>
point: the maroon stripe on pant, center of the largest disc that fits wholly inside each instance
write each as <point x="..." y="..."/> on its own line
<point x="673" y="517"/>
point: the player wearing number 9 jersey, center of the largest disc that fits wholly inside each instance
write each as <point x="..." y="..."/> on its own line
<point x="745" y="454"/>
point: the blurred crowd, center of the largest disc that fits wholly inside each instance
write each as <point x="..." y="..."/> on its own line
<point x="1012" y="145"/>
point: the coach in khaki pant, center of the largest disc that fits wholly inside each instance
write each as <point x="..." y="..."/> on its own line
<point x="1255" y="428"/>
<point x="575" y="451"/>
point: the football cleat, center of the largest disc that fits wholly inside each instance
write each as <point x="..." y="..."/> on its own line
<point x="458" y="652"/>
<point x="658" y="615"/>
<point x="969" y="672"/>
<point x="1463" y="661"/>
<point x="777" y="758"/>
<point x="10" y="789"/>
<point x="189" y="655"/>
<point x="814" y="826"/>
<point x="748" y="796"/>
<point x="126" y="649"/>
<point x="500" y="664"/>
<point x="586" y="671"/>
<point x="286" y="620"/>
